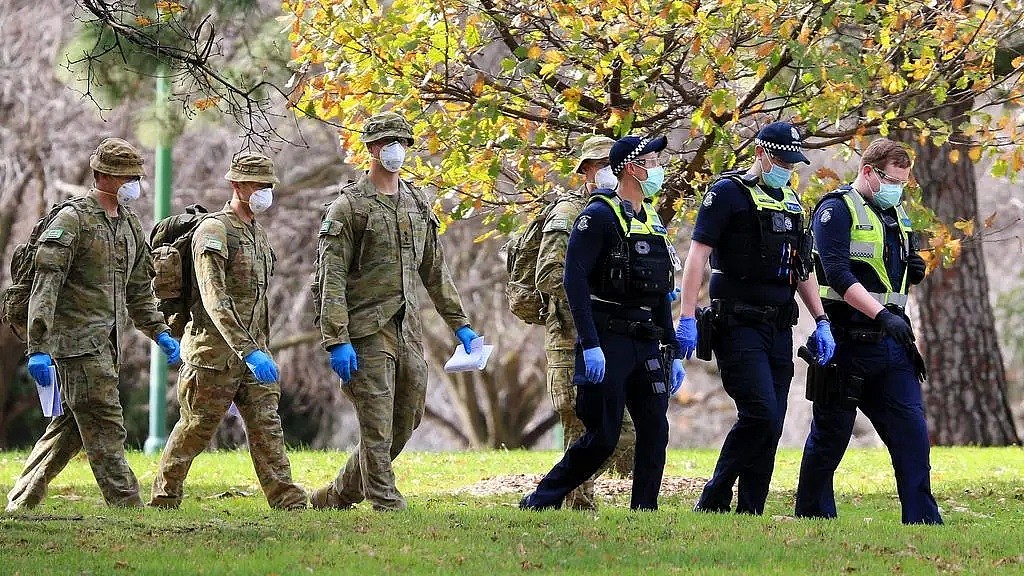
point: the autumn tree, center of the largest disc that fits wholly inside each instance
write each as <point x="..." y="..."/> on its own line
<point x="500" y="91"/>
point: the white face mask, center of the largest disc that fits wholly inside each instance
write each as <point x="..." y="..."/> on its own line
<point x="392" y="157"/>
<point x="261" y="200"/>
<point x="606" y="179"/>
<point x="129" y="192"/>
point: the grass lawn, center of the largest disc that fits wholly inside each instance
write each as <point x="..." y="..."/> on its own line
<point x="225" y="526"/>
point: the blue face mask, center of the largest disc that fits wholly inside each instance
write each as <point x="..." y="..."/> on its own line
<point x="777" y="176"/>
<point x="654" y="182"/>
<point x="888" y="195"/>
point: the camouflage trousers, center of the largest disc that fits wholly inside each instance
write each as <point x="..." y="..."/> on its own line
<point x="205" y="396"/>
<point x="388" y="392"/>
<point x="92" y="420"/>
<point x="561" y="364"/>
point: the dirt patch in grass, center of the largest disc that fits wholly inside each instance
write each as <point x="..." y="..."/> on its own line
<point x="523" y="483"/>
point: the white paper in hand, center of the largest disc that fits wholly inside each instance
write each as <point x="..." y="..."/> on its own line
<point x="49" y="397"/>
<point x="475" y="360"/>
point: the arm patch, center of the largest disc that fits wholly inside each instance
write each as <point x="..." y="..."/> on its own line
<point x="557" y="223"/>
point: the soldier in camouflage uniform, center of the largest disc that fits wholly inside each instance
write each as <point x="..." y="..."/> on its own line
<point x="560" y="338"/>
<point x="92" y="280"/>
<point x="377" y="238"/>
<point x="227" y="341"/>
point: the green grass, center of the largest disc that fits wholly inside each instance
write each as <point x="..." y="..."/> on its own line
<point x="981" y="492"/>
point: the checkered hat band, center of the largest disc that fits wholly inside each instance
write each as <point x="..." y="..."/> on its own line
<point x="779" y="147"/>
<point x="632" y="154"/>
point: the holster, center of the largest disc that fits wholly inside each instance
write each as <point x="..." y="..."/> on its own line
<point x="707" y="318"/>
<point x="828" y="385"/>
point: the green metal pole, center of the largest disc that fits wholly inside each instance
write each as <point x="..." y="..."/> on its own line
<point x="161" y="209"/>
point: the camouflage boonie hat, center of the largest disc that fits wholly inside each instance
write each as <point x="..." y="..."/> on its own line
<point x="386" y="125"/>
<point x="252" y="167"/>
<point x="594" y="148"/>
<point x="118" y="158"/>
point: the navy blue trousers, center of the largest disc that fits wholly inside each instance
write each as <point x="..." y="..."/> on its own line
<point x="600" y="407"/>
<point x="756" y="362"/>
<point x="891" y="399"/>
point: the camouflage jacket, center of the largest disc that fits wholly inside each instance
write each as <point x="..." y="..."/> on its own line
<point x="233" y="264"/>
<point x="560" y="331"/>
<point x="372" y="247"/>
<point x="93" y="276"/>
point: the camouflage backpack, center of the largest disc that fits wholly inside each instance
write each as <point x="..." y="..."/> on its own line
<point x="524" y="299"/>
<point x="173" y="283"/>
<point x="14" y="302"/>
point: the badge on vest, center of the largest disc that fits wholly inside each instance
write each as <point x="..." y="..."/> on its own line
<point x="643" y="248"/>
<point x="793" y="207"/>
<point x="659" y="229"/>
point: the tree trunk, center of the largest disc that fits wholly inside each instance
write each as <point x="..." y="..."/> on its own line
<point x="965" y="394"/>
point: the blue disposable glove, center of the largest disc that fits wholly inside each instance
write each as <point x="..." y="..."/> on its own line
<point x="39" y="367"/>
<point x="674" y="294"/>
<point x="262" y="366"/>
<point x="343" y="361"/>
<point x="466" y="335"/>
<point x="824" y="343"/>
<point x="593" y="361"/>
<point x="686" y="335"/>
<point x="678" y="373"/>
<point x="170" y="347"/>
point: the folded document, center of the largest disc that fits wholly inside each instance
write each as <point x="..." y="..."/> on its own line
<point x="475" y="360"/>
<point x="49" y="396"/>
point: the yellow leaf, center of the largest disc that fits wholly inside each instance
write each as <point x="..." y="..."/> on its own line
<point x="615" y="118"/>
<point x="143" y="21"/>
<point x="974" y="153"/>
<point x="990" y="220"/>
<point x="534" y="52"/>
<point x="965" y="226"/>
<point x="954" y="248"/>
<point x="204" y="103"/>
<point x="554" y="56"/>
<point x="1017" y="62"/>
<point x="954" y="156"/>
<point x="478" y="85"/>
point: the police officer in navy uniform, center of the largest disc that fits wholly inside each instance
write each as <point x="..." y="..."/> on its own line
<point x="751" y="225"/>
<point x="865" y="252"/>
<point x="618" y="274"/>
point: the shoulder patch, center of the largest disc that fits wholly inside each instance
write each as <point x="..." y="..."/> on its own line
<point x="556" y="224"/>
<point x="214" y="245"/>
<point x="53" y="234"/>
<point x="825" y="216"/>
<point x="330" y="227"/>
<point x="583" y="223"/>
<point x="709" y="198"/>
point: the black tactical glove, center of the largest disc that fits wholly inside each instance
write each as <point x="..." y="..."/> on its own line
<point x="915" y="268"/>
<point x="896" y="327"/>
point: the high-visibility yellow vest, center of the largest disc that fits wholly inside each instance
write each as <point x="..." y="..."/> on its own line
<point x="867" y="245"/>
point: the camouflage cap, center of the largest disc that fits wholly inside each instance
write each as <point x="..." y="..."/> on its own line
<point x="386" y="125"/>
<point x="117" y="157"/>
<point x="252" y="167"/>
<point x="594" y="148"/>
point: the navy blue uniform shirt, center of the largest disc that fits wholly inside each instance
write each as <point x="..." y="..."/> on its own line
<point x="832" y="221"/>
<point x="727" y="209"/>
<point x="596" y="231"/>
